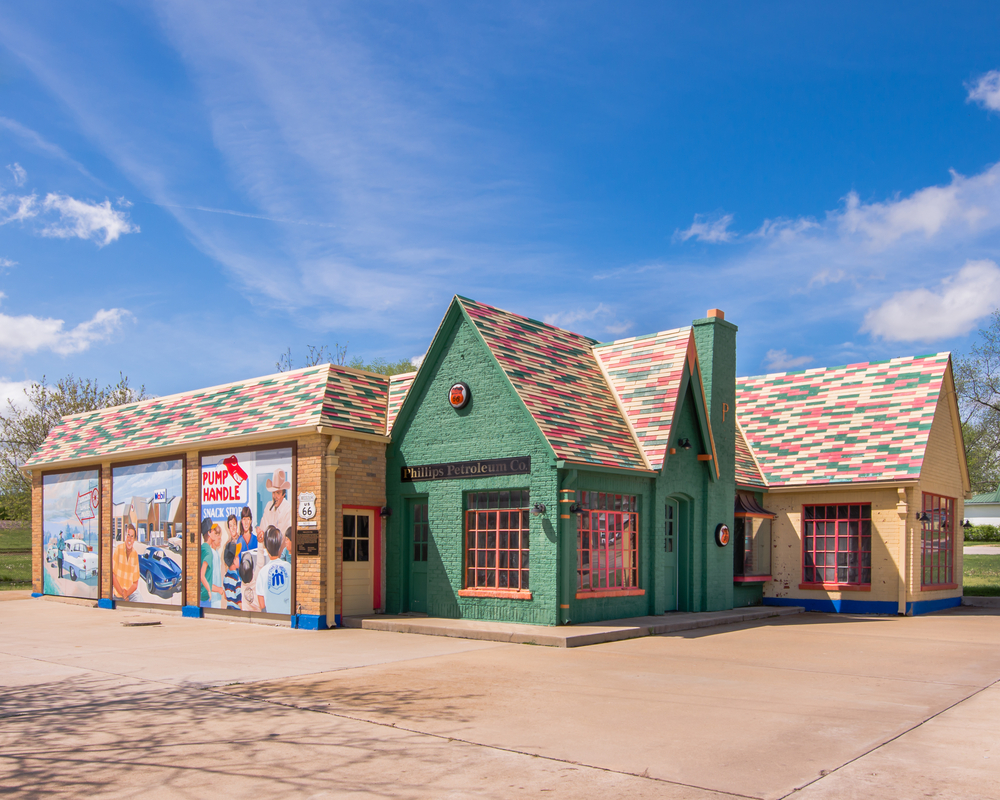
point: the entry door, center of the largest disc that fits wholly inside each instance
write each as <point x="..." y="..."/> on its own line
<point x="671" y="519"/>
<point x="358" y="577"/>
<point x="420" y="536"/>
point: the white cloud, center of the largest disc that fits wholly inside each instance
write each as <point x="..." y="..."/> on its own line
<point x="20" y="176"/>
<point x="18" y="208"/>
<point x="28" y="334"/>
<point x="418" y="360"/>
<point x="601" y="314"/>
<point x="780" y="360"/>
<point x="827" y="276"/>
<point x="12" y="392"/>
<point x="708" y="229"/>
<point x="986" y="91"/>
<point x="950" y="309"/>
<point x="33" y="140"/>
<point x="98" y="222"/>
<point x="6" y="263"/>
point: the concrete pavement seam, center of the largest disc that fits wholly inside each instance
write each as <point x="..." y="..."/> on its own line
<point x="890" y="741"/>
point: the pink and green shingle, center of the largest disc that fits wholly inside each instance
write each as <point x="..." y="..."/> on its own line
<point x="861" y="422"/>
<point x="555" y="372"/>
<point x="646" y="373"/>
<point x="399" y="387"/>
<point x="747" y="474"/>
<point x="323" y="395"/>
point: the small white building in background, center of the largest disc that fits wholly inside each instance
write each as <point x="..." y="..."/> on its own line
<point x="984" y="509"/>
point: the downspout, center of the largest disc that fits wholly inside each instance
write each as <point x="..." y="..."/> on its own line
<point x="903" y="510"/>
<point x="566" y="551"/>
<point x="330" y="503"/>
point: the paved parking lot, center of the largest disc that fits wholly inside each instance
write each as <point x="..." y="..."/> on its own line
<point x="815" y="706"/>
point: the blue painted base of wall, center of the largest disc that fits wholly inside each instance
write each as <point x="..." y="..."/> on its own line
<point x="927" y="606"/>
<point x="831" y="606"/>
<point x="192" y="611"/>
<point x="336" y="621"/>
<point x="106" y="602"/>
<point x="37" y="594"/>
<point x="309" y="622"/>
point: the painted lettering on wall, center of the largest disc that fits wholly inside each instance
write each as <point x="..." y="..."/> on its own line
<point x="519" y="465"/>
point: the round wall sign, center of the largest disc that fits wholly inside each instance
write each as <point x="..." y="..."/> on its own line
<point x="722" y="534"/>
<point x="459" y="395"/>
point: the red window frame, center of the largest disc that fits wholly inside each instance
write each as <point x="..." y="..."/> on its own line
<point x="607" y="548"/>
<point x="496" y="540"/>
<point x="937" y="541"/>
<point x="836" y="545"/>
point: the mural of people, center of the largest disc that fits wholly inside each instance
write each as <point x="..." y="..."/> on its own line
<point x="210" y="578"/>
<point x="125" y="568"/>
<point x="274" y="582"/>
<point x="279" y="511"/>
<point x="70" y="533"/>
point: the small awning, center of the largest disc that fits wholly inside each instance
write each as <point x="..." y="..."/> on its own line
<point x="747" y="506"/>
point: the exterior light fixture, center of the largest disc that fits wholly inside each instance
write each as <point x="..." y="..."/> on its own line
<point x="922" y="516"/>
<point x="684" y="444"/>
<point x="538" y="508"/>
<point x="575" y="508"/>
<point x="967" y="524"/>
<point x="385" y="511"/>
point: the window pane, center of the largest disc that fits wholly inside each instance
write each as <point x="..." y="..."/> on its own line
<point x="349" y="549"/>
<point x="349" y="525"/>
<point x="362" y="528"/>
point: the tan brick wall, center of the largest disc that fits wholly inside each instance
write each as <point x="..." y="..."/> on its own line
<point x="37" y="556"/>
<point x="192" y="525"/>
<point x="941" y="474"/>
<point x="310" y="572"/>
<point x="105" y="534"/>
<point x="786" y="542"/>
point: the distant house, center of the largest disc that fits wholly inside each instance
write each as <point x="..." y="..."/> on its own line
<point x="984" y="509"/>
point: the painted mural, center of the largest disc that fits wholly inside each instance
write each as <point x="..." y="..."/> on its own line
<point x="71" y="505"/>
<point x="147" y="532"/>
<point x="245" y="560"/>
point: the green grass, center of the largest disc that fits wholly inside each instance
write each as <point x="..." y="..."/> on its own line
<point x="15" y="539"/>
<point x="15" y="571"/>
<point x="981" y="575"/>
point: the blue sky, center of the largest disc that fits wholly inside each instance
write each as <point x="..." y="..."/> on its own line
<point x="188" y="188"/>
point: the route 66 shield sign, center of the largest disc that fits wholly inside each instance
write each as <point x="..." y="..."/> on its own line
<point x="307" y="505"/>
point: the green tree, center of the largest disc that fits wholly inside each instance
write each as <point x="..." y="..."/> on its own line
<point x="338" y="355"/>
<point x="24" y="426"/>
<point x="977" y="382"/>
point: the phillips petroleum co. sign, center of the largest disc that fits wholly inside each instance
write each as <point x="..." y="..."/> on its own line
<point x="520" y="465"/>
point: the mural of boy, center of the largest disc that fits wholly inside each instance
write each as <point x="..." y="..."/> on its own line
<point x="211" y="592"/>
<point x="231" y="580"/>
<point x="125" y="568"/>
<point x="274" y="581"/>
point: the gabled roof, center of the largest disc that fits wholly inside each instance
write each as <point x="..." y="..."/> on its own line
<point x="556" y="375"/>
<point x="747" y="471"/>
<point x="988" y="497"/>
<point x="861" y="422"/>
<point x="399" y="387"/>
<point x="646" y="373"/>
<point x="325" y="395"/>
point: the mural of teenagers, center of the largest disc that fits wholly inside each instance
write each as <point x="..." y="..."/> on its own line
<point x="147" y="532"/>
<point x="70" y="504"/>
<point x="245" y="561"/>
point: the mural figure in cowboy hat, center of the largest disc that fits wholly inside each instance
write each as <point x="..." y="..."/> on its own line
<point x="279" y="511"/>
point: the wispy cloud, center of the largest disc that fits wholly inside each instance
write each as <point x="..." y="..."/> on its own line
<point x="19" y="174"/>
<point x="97" y="222"/>
<point x="712" y="230"/>
<point x="952" y="308"/>
<point x="781" y="361"/>
<point x="13" y="393"/>
<point x="986" y="90"/>
<point x="25" y="334"/>
<point x="6" y="263"/>
<point x="604" y="316"/>
<point x="36" y="142"/>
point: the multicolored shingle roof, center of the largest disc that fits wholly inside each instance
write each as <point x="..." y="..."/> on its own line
<point x="861" y="422"/>
<point x="747" y="472"/>
<point x="399" y="387"/>
<point x="337" y="397"/>
<point x="646" y="373"/>
<point x="556" y="374"/>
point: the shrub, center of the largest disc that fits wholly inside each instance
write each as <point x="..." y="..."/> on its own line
<point x="982" y="533"/>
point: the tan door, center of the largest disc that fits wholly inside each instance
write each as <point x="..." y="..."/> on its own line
<point x="357" y="577"/>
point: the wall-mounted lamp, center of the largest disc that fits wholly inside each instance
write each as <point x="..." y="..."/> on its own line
<point x="385" y="511"/>
<point x="684" y="444"/>
<point x="575" y="508"/>
<point x="538" y="508"/>
<point x="922" y="516"/>
<point x="967" y="524"/>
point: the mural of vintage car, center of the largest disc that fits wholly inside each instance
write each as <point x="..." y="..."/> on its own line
<point x="79" y="560"/>
<point x="160" y="572"/>
<point x="174" y="543"/>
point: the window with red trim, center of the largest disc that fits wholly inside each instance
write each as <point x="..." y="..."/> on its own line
<point x="607" y="542"/>
<point x="496" y="540"/>
<point x="937" y="540"/>
<point x="837" y="544"/>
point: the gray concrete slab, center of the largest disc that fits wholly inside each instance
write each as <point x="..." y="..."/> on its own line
<point x="818" y="705"/>
<point x="985" y="549"/>
<point x="568" y="635"/>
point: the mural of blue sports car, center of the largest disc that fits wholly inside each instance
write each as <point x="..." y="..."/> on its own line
<point x="160" y="572"/>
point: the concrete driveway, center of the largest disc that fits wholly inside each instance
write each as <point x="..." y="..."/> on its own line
<point x="818" y="706"/>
